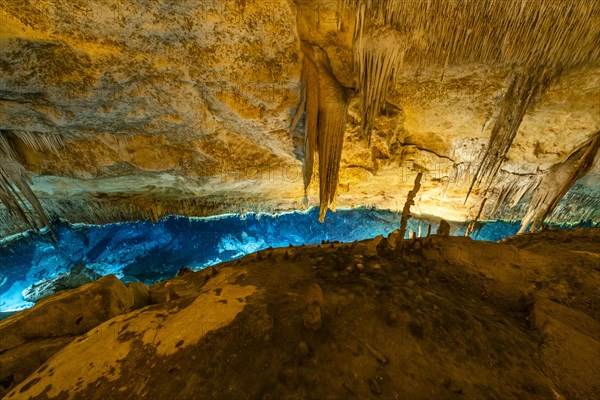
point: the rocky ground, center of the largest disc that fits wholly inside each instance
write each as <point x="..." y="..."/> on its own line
<point x="429" y="318"/>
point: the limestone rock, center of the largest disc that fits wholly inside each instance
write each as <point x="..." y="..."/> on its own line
<point x="443" y="229"/>
<point x="70" y="312"/>
<point x="313" y="308"/>
<point x="393" y="239"/>
<point x="372" y="246"/>
<point x="32" y="336"/>
<point x="570" y="339"/>
<point x="18" y="363"/>
<point x="77" y="276"/>
<point x="140" y="293"/>
<point x="240" y="334"/>
<point x="185" y="286"/>
<point x="165" y="332"/>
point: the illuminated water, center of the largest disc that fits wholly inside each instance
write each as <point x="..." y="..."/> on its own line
<point x="151" y="252"/>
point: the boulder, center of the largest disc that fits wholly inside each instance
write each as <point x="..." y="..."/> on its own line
<point x="372" y="246"/>
<point x="570" y="348"/>
<point x="140" y="293"/>
<point x="443" y="229"/>
<point x="32" y="336"/>
<point x="393" y="239"/>
<point x="313" y="308"/>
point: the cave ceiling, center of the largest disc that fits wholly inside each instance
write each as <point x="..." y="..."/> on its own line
<point x="113" y="110"/>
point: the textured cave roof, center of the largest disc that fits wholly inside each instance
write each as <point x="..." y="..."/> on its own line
<point x="131" y="110"/>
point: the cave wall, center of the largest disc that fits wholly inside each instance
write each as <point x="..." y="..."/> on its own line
<point x="163" y="108"/>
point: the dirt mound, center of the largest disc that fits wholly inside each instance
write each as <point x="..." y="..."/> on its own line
<point x="431" y="318"/>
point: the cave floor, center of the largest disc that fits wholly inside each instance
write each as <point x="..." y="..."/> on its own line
<point x="429" y="318"/>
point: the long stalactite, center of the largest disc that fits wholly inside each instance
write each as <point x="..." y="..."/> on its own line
<point x="15" y="184"/>
<point x="537" y="41"/>
<point x="326" y="111"/>
<point x="540" y="38"/>
<point x="378" y="57"/>
<point x="523" y="88"/>
<point x="558" y="181"/>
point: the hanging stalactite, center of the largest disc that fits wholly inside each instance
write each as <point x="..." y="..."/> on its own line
<point x="523" y="88"/>
<point x="441" y="32"/>
<point x="15" y="183"/>
<point x="538" y="39"/>
<point x="311" y="79"/>
<point x="326" y="109"/>
<point x="378" y="56"/>
<point x="558" y="181"/>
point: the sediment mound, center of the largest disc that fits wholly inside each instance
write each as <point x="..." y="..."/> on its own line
<point x="428" y="318"/>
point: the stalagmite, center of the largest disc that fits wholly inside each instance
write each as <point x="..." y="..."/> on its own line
<point x="443" y="229"/>
<point x="473" y="223"/>
<point x="410" y="200"/>
<point x="326" y="109"/>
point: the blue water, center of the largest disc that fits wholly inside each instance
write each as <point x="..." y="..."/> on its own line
<point x="142" y="251"/>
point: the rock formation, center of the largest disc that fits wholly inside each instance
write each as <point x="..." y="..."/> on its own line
<point x="443" y="229"/>
<point x="410" y="201"/>
<point x="128" y="110"/>
<point x="326" y="109"/>
<point x="439" y="317"/>
<point x="117" y="111"/>
<point x="33" y="336"/>
<point x="314" y="307"/>
<point x="78" y="275"/>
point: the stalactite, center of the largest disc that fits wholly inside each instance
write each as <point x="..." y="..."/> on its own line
<point x="523" y="88"/>
<point x="40" y="141"/>
<point x="15" y="189"/>
<point x="576" y="205"/>
<point x="8" y="194"/>
<point x="326" y="110"/>
<point x="333" y="109"/>
<point x="311" y="79"/>
<point x="558" y="181"/>
<point x="537" y="39"/>
<point x="378" y="58"/>
<point x="509" y="190"/>
<point x="410" y="200"/>
<point x="506" y="32"/>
